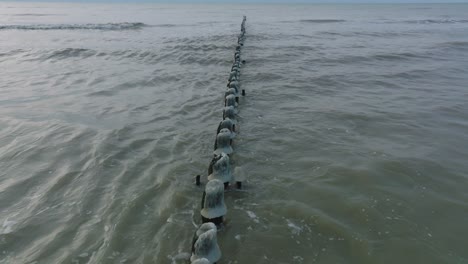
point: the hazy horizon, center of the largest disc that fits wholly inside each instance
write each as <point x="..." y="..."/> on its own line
<point x="257" y="1"/>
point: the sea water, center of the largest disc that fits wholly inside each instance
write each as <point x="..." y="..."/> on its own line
<point x="353" y="132"/>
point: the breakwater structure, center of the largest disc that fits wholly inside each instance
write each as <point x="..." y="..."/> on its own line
<point x="221" y="176"/>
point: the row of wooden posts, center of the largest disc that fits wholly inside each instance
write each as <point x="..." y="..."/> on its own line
<point x="205" y="249"/>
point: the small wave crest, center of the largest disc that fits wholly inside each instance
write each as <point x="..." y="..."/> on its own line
<point x="315" y="21"/>
<point x="322" y="20"/>
<point x="380" y="34"/>
<point x="34" y="15"/>
<point x="68" y="53"/>
<point x="460" y="45"/>
<point x="171" y="25"/>
<point x="105" y="26"/>
<point x="437" y="21"/>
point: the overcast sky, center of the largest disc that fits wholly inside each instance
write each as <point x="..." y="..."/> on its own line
<point x="250" y="1"/>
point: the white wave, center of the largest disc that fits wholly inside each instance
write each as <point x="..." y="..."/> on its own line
<point x="105" y="26"/>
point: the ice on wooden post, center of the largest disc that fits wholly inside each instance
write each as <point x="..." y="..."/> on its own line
<point x="233" y="78"/>
<point x="202" y="229"/>
<point x="235" y="67"/>
<point x="227" y="124"/>
<point x="240" y="40"/>
<point x="234" y="84"/>
<point x="223" y="142"/>
<point x="205" y="245"/>
<point x="201" y="261"/>
<point x="234" y="73"/>
<point x="213" y="207"/>
<point x="231" y="101"/>
<point x="232" y="91"/>
<point x="230" y="112"/>
<point x="222" y="170"/>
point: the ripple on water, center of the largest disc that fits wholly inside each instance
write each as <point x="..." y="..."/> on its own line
<point x="352" y="138"/>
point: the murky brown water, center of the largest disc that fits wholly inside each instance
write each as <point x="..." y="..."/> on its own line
<point x="353" y="132"/>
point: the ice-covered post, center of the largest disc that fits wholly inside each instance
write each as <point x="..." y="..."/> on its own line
<point x="222" y="170"/>
<point x="213" y="207"/>
<point x="230" y="100"/>
<point x="205" y="245"/>
<point x="223" y="142"/>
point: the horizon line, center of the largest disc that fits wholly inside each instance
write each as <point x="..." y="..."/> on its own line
<point x="241" y="2"/>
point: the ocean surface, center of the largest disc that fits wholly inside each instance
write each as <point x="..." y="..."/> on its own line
<point x="353" y="134"/>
